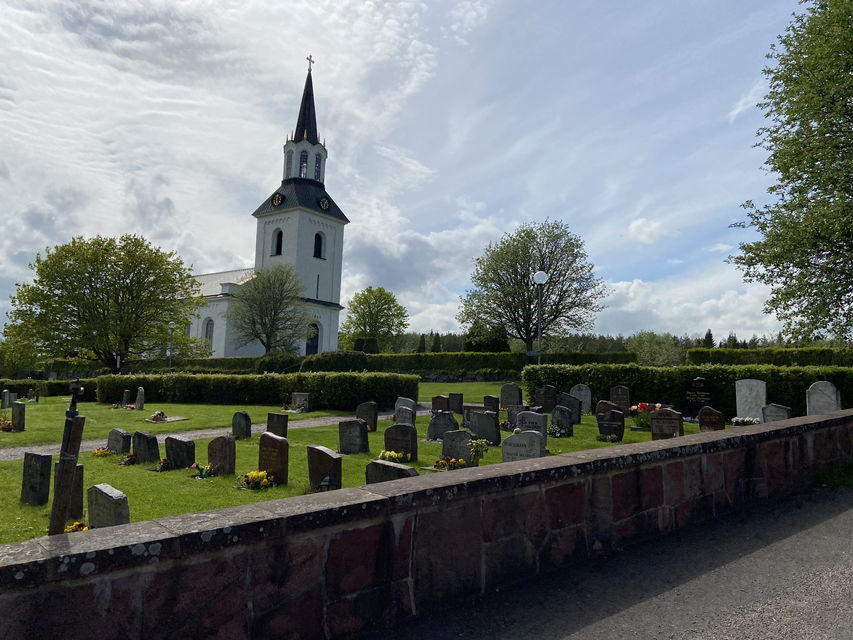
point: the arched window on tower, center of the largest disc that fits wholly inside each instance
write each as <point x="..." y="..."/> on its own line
<point x="317" y="163"/>
<point x="208" y="330"/>
<point x="318" y="245"/>
<point x="303" y="164"/>
<point x="312" y="344"/>
<point x="277" y="240"/>
<point x="288" y="167"/>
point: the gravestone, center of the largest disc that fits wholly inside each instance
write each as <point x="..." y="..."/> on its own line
<point x="299" y="399"/>
<point x="773" y="412"/>
<point x="405" y="402"/>
<point x="369" y="412"/>
<point x="510" y="395"/>
<point x="455" y="401"/>
<point x="564" y="419"/>
<point x="603" y="406"/>
<point x="513" y="411"/>
<point x="35" y="484"/>
<point x="698" y="393"/>
<point x="468" y="412"/>
<point x="750" y="396"/>
<point x="140" y="400"/>
<point x="440" y="403"/>
<point x="76" y="387"/>
<point x="145" y="447"/>
<point x="125" y="397"/>
<point x="710" y="419"/>
<point x="574" y="405"/>
<point x="611" y="423"/>
<point x="277" y="423"/>
<point x="822" y="397"/>
<point x="666" y="423"/>
<point x="620" y="395"/>
<point x="352" y="436"/>
<point x="323" y="463"/>
<point x="439" y="423"/>
<point x="523" y="445"/>
<point x="273" y="456"/>
<point x="532" y="421"/>
<point x="382" y="471"/>
<point x="402" y="438"/>
<point x="404" y="415"/>
<point x="484" y="426"/>
<point x="107" y="506"/>
<point x="5" y="402"/>
<point x="241" y="425"/>
<point x="19" y="415"/>
<point x="222" y="455"/>
<point x="180" y="452"/>
<point x="75" y="504"/>
<point x="546" y="397"/>
<point x="455" y="445"/>
<point x="119" y="441"/>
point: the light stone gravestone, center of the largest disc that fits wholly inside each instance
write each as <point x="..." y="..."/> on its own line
<point x="301" y="399"/>
<point x="180" y="452"/>
<point x="404" y="415"/>
<point x="5" y="402"/>
<point x="456" y="402"/>
<point x="273" y="456"/>
<point x="140" y="399"/>
<point x="484" y="426"/>
<point x="323" y="463"/>
<point x="35" y="484"/>
<point x="405" y="402"/>
<point x="532" y="421"/>
<point x="369" y="412"/>
<point x="773" y="412"/>
<point x="455" y="445"/>
<point x="563" y="419"/>
<point x="822" y="397"/>
<point x="402" y="438"/>
<point x="107" y="506"/>
<point x="513" y="411"/>
<point x="241" y="425"/>
<point x="75" y="504"/>
<point x="510" y="395"/>
<point x="603" y="406"/>
<point x="277" y="424"/>
<point x="440" y="403"/>
<point x="666" y="423"/>
<point x="546" y="397"/>
<point x="750" y="396"/>
<point x="119" y="441"/>
<point x="19" y="415"/>
<point x="352" y="437"/>
<point x="125" y="397"/>
<point x="523" y="445"/>
<point x="383" y="470"/>
<point x="222" y="455"/>
<point x="491" y="403"/>
<point x="710" y="419"/>
<point x="620" y="395"/>
<point x="145" y="447"/>
<point x="439" y="423"/>
<point x="611" y="423"/>
<point x="584" y="393"/>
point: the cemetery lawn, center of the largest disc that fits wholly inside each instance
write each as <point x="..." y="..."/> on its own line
<point x="473" y="391"/>
<point x="154" y="495"/>
<point x="45" y="420"/>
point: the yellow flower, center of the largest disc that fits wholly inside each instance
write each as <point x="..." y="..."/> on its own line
<point x="265" y="482"/>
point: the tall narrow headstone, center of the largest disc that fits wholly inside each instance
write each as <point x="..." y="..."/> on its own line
<point x="822" y="397"/>
<point x="19" y="415"/>
<point x="352" y="437"/>
<point x="107" y="506"/>
<point x="546" y="397"/>
<point x="273" y="456"/>
<point x="402" y="438"/>
<point x="666" y="423"/>
<point x="455" y="402"/>
<point x="773" y="412"/>
<point x="5" y="403"/>
<point x="484" y="426"/>
<point x="510" y="395"/>
<point x="439" y="423"/>
<point x="241" y="425"/>
<point x="140" y="399"/>
<point x="180" y="452"/>
<point x="440" y="403"/>
<point x="221" y="455"/>
<point x="611" y="423"/>
<point x="523" y="445"/>
<point x="125" y="397"/>
<point x="145" y="447"/>
<point x="710" y="419"/>
<point x="277" y="424"/>
<point x="119" y="441"/>
<point x="698" y="393"/>
<point x="584" y="393"/>
<point x="750" y="396"/>
<point x="35" y="484"/>
<point x="455" y="445"/>
<point x="620" y="395"/>
<point x="382" y="471"/>
<point x="75" y="504"/>
<point x="324" y="467"/>
<point x="369" y="412"/>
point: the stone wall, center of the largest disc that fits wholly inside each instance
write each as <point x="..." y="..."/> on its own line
<point x="329" y="564"/>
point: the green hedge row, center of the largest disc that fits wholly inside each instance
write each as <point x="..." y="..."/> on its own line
<point x="471" y="361"/>
<point x="51" y="387"/>
<point x="785" y="385"/>
<point x="804" y="357"/>
<point x="331" y="390"/>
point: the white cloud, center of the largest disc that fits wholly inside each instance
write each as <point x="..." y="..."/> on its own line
<point x="749" y="99"/>
<point x="647" y="231"/>
<point x="720" y="247"/>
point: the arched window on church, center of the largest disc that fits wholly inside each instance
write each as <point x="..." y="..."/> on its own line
<point x="317" y="163"/>
<point x="312" y="345"/>
<point x="277" y="240"/>
<point x="318" y="246"/>
<point x="208" y="330"/>
<point x="288" y="171"/>
<point x="303" y="164"/>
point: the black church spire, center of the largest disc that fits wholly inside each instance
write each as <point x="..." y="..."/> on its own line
<point x="306" y="124"/>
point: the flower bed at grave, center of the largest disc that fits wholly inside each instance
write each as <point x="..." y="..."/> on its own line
<point x="257" y="480"/>
<point x="393" y="456"/>
<point x="449" y="464"/>
<point x="642" y="413"/>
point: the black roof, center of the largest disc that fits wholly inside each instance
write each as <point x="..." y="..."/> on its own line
<point x="304" y="193"/>
<point x="306" y="123"/>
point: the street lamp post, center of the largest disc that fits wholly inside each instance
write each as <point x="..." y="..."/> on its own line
<point x="171" y="332"/>
<point x="539" y="279"/>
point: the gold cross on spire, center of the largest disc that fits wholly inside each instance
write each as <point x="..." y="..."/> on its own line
<point x="310" y="62"/>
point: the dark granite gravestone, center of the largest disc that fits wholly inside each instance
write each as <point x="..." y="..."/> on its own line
<point x="180" y="452"/>
<point x="125" y="397"/>
<point x="19" y="415"/>
<point x="546" y="397"/>
<point x="352" y="437"/>
<point x="611" y="423"/>
<point x="666" y="423"/>
<point x="35" y="484"/>
<point x="698" y="393"/>
<point x="405" y="402"/>
<point x="140" y="399"/>
<point x="523" y="445"/>
<point x="455" y="402"/>
<point x="107" y="506"/>
<point x="440" y="403"/>
<point x="822" y="397"/>
<point x="439" y="423"/>
<point x="145" y="447"/>
<point x="484" y="426"/>
<point x="468" y="412"/>
<point x="404" y="415"/>
<point x="299" y="399"/>
<point x="710" y="419"/>
<point x="241" y="425"/>
<point x="491" y="403"/>
<point x="513" y="411"/>
<point x="273" y="456"/>
<point x="119" y="441"/>
<point x="584" y="393"/>
<point x="603" y="406"/>
<point x="562" y="417"/>
<point x="620" y="395"/>
<point x="455" y="445"/>
<point x="574" y="406"/>
<point x="75" y="504"/>
<point x="773" y="412"/>
<point x="402" y="438"/>
<point x="277" y="424"/>
<point x="510" y="395"/>
<point x="323" y="464"/>
<point x="222" y="455"/>
<point x="532" y="421"/>
<point x="369" y="412"/>
<point x="382" y="471"/>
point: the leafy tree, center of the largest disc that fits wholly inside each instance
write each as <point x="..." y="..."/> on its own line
<point x="657" y="349"/>
<point x="805" y="251"/>
<point x="484" y="338"/>
<point x="505" y="294"/>
<point x="375" y="313"/>
<point x="269" y="308"/>
<point x="421" y="344"/>
<point x="105" y="300"/>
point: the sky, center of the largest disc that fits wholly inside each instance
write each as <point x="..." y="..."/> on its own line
<point x="447" y="124"/>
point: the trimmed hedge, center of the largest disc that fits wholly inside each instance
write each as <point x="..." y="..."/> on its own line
<point x="785" y="385"/>
<point x="331" y="390"/>
<point x="51" y="387"/>
<point x="335" y="361"/>
<point x="278" y="363"/>
<point x="471" y="361"/>
<point x="804" y="357"/>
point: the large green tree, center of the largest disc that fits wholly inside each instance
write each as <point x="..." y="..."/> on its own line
<point x="805" y="253"/>
<point x="374" y="313"/>
<point x="269" y="308"/>
<point x="504" y="294"/>
<point x="106" y="300"/>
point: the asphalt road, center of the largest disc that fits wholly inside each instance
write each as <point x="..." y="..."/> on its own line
<point x="783" y="571"/>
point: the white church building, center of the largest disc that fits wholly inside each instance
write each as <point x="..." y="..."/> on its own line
<point x="300" y="225"/>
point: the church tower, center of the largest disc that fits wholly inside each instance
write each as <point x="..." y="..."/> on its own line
<point x="300" y="225"/>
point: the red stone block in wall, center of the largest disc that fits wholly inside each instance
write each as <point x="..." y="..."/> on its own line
<point x="713" y="472"/>
<point x="734" y="465"/>
<point x="625" y="489"/>
<point x="692" y="478"/>
<point x="651" y="487"/>
<point x="771" y="462"/>
<point x="358" y="559"/>
<point x="565" y="546"/>
<point x="673" y="482"/>
<point x="566" y="504"/>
